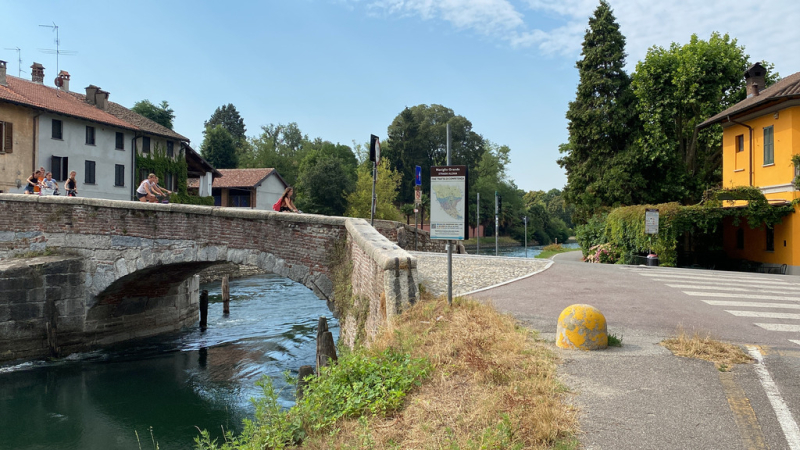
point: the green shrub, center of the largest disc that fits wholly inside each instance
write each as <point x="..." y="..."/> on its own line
<point x="359" y="384"/>
<point x="188" y="199"/>
<point x="592" y="233"/>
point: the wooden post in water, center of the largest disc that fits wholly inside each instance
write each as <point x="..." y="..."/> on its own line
<point x="203" y="309"/>
<point x="326" y="348"/>
<point x="302" y="380"/>
<point x="226" y="295"/>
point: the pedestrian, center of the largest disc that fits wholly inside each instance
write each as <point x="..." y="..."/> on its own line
<point x="71" y="185"/>
<point x="145" y="190"/>
<point x="285" y="202"/>
<point x="49" y="185"/>
<point x="40" y="178"/>
<point x="32" y="183"/>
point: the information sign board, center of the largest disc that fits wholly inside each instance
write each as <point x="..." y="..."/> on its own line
<point x="448" y="202"/>
<point x="418" y="176"/>
<point x="651" y="221"/>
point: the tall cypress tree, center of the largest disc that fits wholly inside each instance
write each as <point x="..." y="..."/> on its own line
<point x="599" y="160"/>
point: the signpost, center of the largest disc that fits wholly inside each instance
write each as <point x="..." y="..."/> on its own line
<point x="651" y="221"/>
<point x="525" y="219"/>
<point x="375" y="157"/>
<point x="478" y="224"/>
<point x="417" y="200"/>
<point x="448" y="208"/>
<point x="496" y="221"/>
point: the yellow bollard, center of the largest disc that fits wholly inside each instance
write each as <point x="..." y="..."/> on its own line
<point x="582" y="327"/>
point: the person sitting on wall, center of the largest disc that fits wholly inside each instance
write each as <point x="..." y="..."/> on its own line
<point x="145" y="192"/>
<point x="40" y="178"/>
<point x="71" y="185"/>
<point x="32" y="183"/>
<point x="49" y="185"/>
<point x="285" y="202"/>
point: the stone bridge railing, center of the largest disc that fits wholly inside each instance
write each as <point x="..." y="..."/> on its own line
<point x="135" y="262"/>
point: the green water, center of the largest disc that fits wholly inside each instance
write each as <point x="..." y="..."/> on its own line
<point x="166" y="387"/>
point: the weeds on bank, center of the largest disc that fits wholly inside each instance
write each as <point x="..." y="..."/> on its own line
<point x="722" y="354"/>
<point x="460" y="377"/>
<point x="614" y="341"/>
<point x="48" y="251"/>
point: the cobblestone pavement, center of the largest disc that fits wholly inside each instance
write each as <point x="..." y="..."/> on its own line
<point x="472" y="272"/>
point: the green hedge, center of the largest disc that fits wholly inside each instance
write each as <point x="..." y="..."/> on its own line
<point x="188" y="199"/>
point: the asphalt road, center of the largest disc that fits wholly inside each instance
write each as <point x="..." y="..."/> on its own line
<point x="640" y="396"/>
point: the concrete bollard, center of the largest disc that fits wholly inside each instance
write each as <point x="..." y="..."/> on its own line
<point x="582" y="327"/>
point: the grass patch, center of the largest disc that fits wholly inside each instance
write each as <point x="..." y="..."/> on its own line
<point x="723" y="355"/>
<point x="554" y="249"/>
<point x="504" y="241"/>
<point x="460" y="377"/>
<point x="48" y="251"/>
<point x="614" y="341"/>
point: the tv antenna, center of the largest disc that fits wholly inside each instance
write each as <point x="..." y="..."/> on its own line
<point x="19" y="60"/>
<point x="57" y="50"/>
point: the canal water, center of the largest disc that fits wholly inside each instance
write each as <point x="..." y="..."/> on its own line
<point x="517" y="251"/>
<point x="166" y="387"/>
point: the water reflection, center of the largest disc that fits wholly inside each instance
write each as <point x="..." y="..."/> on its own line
<point x="173" y="383"/>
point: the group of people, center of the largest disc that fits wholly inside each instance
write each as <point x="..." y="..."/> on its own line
<point x="150" y="191"/>
<point x="41" y="182"/>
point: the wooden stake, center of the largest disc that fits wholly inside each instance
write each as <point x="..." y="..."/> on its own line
<point x="203" y="309"/>
<point x="302" y="380"/>
<point x="226" y="295"/>
<point x="327" y="351"/>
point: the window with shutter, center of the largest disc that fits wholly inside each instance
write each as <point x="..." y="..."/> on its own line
<point x="7" y="137"/>
<point x="769" y="146"/>
<point x="120" y="141"/>
<point x="89" y="172"/>
<point x="119" y="175"/>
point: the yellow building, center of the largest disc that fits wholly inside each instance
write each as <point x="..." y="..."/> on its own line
<point x="760" y="135"/>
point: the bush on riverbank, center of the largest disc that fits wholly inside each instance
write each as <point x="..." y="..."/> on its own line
<point x="441" y="377"/>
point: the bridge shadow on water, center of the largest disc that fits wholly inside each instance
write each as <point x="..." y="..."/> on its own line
<point x="173" y="382"/>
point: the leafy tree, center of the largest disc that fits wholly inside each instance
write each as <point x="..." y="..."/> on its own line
<point x="600" y="163"/>
<point x="327" y="175"/>
<point x="407" y="210"/>
<point x="219" y="148"/>
<point x="418" y="137"/>
<point x="282" y="147"/>
<point x="677" y="89"/>
<point x="386" y="189"/>
<point x="229" y="118"/>
<point x="161" y="114"/>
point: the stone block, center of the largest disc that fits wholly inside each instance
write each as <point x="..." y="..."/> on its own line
<point x="26" y="311"/>
<point x="5" y="313"/>
<point x="52" y="293"/>
<point x="126" y="241"/>
<point x="65" y="279"/>
<point x="7" y="236"/>
<point x="35" y="295"/>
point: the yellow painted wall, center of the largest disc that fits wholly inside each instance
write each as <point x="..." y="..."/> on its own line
<point x="18" y="164"/>
<point x="736" y="172"/>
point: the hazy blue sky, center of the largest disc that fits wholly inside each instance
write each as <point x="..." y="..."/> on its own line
<point x="343" y="69"/>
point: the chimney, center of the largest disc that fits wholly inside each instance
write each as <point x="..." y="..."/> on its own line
<point x="37" y="73"/>
<point x="91" y="90"/>
<point x="3" y="65"/>
<point x="754" y="78"/>
<point x="63" y="84"/>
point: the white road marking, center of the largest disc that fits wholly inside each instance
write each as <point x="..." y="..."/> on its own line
<point x="714" y="275"/>
<point x="780" y="327"/>
<point x="727" y="287"/>
<point x="735" y="295"/>
<point x="794" y="341"/>
<point x="759" y="281"/>
<point x="790" y="429"/>
<point x="751" y="304"/>
<point x="765" y="315"/>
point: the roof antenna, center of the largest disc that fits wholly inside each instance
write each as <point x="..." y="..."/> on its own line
<point x="19" y="60"/>
<point x="57" y="50"/>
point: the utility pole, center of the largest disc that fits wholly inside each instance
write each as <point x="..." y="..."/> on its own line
<point x="525" y="219"/>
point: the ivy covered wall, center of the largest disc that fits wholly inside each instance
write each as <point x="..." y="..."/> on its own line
<point x="159" y="163"/>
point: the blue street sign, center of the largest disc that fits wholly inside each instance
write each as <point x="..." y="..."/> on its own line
<point x="418" y="178"/>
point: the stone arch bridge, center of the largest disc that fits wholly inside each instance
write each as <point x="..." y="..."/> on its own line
<point x="114" y="270"/>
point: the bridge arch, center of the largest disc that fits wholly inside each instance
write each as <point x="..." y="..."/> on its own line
<point x="136" y="257"/>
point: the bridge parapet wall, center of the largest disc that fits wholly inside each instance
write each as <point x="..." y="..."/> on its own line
<point x="133" y="251"/>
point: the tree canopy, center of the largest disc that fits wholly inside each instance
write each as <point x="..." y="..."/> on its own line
<point x="161" y="114"/>
<point x="229" y="118"/>
<point x="219" y="148"/>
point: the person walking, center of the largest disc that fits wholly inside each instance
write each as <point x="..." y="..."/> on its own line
<point x="71" y="185"/>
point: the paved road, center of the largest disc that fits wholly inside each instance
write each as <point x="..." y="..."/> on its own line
<point x="640" y="396"/>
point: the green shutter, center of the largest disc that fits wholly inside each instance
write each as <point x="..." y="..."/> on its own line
<point x="8" y="134"/>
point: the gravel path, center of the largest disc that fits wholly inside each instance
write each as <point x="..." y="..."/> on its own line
<point x="471" y="272"/>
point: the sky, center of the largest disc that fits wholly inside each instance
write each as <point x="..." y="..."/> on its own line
<point x="344" y="69"/>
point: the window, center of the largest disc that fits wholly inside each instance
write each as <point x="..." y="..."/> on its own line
<point x="769" y="146"/>
<point x="6" y="137"/>
<point x="57" y="131"/>
<point x="143" y="175"/>
<point x="120" y="141"/>
<point x="59" y="165"/>
<point x="740" y="238"/>
<point x="119" y="175"/>
<point x="145" y="145"/>
<point x="89" y="173"/>
<point x="169" y="181"/>
<point x="770" y="239"/>
<point x="170" y="149"/>
<point x="740" y="143"/>
<point x="89" y="135"/>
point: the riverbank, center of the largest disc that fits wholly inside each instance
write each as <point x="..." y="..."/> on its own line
<point x="554" y="249"/>
<point x="464" y="376"/>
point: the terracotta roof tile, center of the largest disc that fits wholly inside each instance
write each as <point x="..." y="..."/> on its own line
<point x="241" y="177"/>
<point x="141" y="122"/>
<point x="785" y="88"/>
<point x="28" y="93"/>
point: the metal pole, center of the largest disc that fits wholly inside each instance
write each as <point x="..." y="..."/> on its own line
<point x="416" y="214"/>
<point x="449" y="242"/>
<point x="372" y="207"/>
<point x="478" y="223"/>
<point x="526" y="236"/>
<point x="496" y="223"/>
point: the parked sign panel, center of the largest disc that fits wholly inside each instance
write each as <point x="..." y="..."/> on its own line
<point x="651" y="221"/>
<point x="448" y="202"/>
